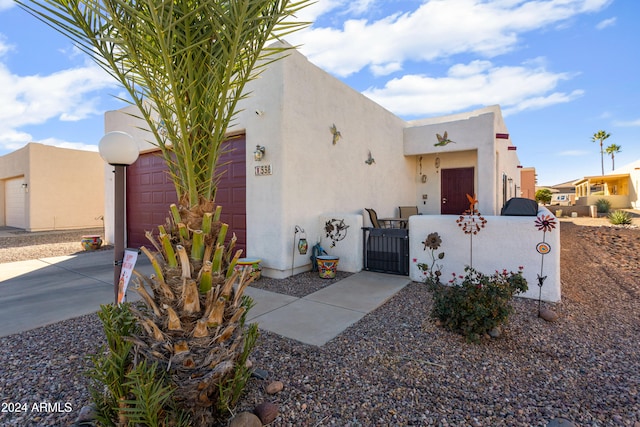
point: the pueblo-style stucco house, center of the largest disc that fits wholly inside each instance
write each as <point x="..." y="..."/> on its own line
<point x="49" y="188"/>
<point x="329" y="153"/>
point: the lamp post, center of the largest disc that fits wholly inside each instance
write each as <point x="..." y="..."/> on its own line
<point x="118" y="149"/>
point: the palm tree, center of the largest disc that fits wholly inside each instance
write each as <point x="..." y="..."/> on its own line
<point x="600" y="136"/>
<point x="185" y="64"/>
<point x="612" y="150"/>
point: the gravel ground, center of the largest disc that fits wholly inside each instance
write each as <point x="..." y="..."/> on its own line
<point x="396" y="368"/>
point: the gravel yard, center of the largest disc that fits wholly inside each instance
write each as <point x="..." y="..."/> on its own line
<point x="395" y="367"/>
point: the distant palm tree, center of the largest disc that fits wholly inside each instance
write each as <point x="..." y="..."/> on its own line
<point x="600" y="136"/>
<point x="612" y="150"/>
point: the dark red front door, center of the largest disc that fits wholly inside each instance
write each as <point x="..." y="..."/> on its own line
<point x="455" y="184"/>
<point x="150" y="191"/>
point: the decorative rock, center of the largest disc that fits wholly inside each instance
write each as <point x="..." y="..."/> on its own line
<point x="549" y="315"/>
<point x="245" y="419"/>
<point x="274" y="387"/>
<point x="260" y="374"/>
<point x="560" y="422"/>
<point x="87" y="413"/>
<point x="495" y="332"/>
<point x="267" y="412"/>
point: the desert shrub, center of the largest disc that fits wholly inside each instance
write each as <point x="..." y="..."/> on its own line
<point x="619" y="218"/>
<point x="603" y="205"/>
<point x="475" y="303"/>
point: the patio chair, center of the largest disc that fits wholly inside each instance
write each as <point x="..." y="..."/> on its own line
<point x="406" y="212"/>
<point x="373" y="216"/>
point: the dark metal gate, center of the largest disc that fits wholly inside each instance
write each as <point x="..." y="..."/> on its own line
<point x="386" y="250"/>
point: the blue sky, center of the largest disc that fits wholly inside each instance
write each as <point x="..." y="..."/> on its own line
<point x="561" y="70"/>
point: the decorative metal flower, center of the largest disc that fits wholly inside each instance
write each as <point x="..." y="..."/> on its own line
<point x="433" y="241"/>
<point x="545" y="223"/>
<point x="471" y="221"/>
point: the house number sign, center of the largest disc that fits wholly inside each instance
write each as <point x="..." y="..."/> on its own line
<point x="263" y="170"/>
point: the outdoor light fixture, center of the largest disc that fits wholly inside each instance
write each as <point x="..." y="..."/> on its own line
<point x="259" y="153"/>
<point x="302" y="242"/>
<point x="118" y="149"/>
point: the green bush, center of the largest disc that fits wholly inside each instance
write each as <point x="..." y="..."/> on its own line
<point x="603" y="205"/>
<point x="478" y="303"/>
<point x="619" y="218"/>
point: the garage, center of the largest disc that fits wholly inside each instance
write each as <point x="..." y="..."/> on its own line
<point x="15" y="200"/>
<point x="150" y="191"/>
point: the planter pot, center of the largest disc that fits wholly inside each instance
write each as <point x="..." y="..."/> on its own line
<point x="327" y="266"/>
<point x="91" y="243"/>
<point x="253" y="263"/>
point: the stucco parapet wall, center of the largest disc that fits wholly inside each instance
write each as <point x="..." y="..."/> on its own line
<point x="506" y="242"/>
<point x="470" y="133"/>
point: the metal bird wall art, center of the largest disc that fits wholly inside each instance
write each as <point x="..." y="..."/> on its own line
<point x="442" y="140"/>
<point x="336" y="133"/>
<point x="370" y="160"/>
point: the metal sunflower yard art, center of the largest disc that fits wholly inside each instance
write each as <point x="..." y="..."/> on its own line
<point x="471" y="222"/>
<point x="434" y="271"/>
<point x="544" y="223"/>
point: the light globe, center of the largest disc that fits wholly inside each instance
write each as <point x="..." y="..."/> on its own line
<point x="118" y="148"/>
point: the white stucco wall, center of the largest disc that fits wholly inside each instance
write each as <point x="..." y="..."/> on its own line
<point x="312" y="176"/>
<point x="506" y="242"/>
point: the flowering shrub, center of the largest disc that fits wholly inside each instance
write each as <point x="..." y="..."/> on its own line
<point x="475" y="303"/>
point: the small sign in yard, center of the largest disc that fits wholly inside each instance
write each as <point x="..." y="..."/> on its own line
<point x="128" y="262"/>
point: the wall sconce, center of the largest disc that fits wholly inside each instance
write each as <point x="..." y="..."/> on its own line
<point x="303" y="245"/>
<point x="259" y="153"/>
<point x="25" y="187"/>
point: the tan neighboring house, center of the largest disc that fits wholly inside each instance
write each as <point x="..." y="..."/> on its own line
<point x="564" y="194"/>
<point x="49" y="188"/>
<point x="528" y="183"/>
<point x="621" y="188"/>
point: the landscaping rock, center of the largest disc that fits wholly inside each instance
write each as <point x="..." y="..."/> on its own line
<point x="549" y="315"/>
<point x="495" y="332"/>
<point x="87" y="414"/>
<point x="274" y="387"/>
<point x="260" y="374"/>
<point x="267" y="412"/>
<point x="245" y="419"/>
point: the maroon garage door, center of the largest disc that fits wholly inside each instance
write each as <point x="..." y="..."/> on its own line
<point x="150" y="192"/>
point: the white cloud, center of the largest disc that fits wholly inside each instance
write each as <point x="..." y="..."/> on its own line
<point x="574" y="153"/>
<point x="4" y="46"/>
<point x="436" y="29"/>
<point x="629" y="123"/>
<point x="33" y="100"/>
<point x="515" y="88"/>
<point x="606" y="23"/>
<point x="66" y="144"/>
<point x="6" y="4"/>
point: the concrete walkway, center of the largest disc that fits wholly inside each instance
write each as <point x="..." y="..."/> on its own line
<point x="40" y="292"/>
